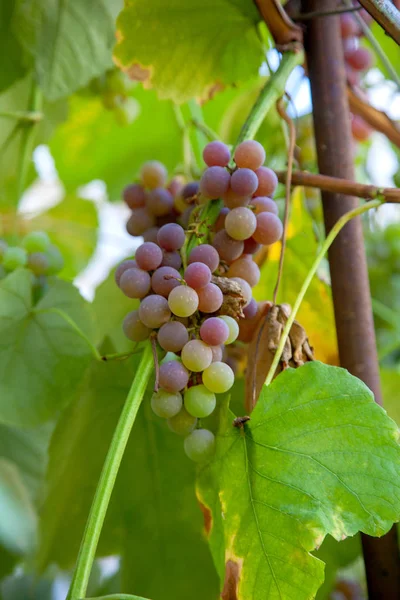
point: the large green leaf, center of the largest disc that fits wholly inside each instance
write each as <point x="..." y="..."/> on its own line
<point x="153" y="521"/>
<point x="69" y="42"/>
<point x="318" y="457"/>
<point x="42" y="356"/>
<point x="12" y="68"/>
<point x="199" y="44"/>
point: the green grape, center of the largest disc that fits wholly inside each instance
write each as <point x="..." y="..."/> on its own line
<point x="183" y="301"/>
<point x="200" y="445"/>
<point x="182" y="423"/>
<point x="218" y="377"/>
<point x="196" y="356"/>
<point x="166" y="404"/>
<point x="199" y="401"/>
<point x="56" y="260"/>
<point x="14" y="257"/>
<point x="36" y="241"/>
<point x="233" y="328"/>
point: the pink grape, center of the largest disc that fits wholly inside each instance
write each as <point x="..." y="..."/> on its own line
<point x="267" y="182"/>
<point x="139" y="221"/>
<point x="185" y="216"/>
<point x="171" y="259"/>
<point x="245" y="268"/>
<point x="251" y="246"/>
<point x="197" y="275"/>
<point x="359" y="59"/>
<point x="217" y="353"/>
<point x="196" y="356"/>
<point x="151" y="235"/>
<point x="360" y="129"/>
<point x="214" y="331"/>
<point x="172" y="336"/>
<point x="216" y="154"/>
<point x="348" y="26"/>
<point x="227" y="248"/>
<point x="246" y="289"/>
<point x="220" y="222"/>
<point x="175" y="186"/>
<point x="269" y="229"/>
<point x="251" y="309"/>
<point x="249" y="154"/>
<point x="154" y="311"/>
<point x="232" y="200"/>
<point x="149" y="256"/>
<point x="264" y="204"/>
<point x="190" y="190"/>
<point x="173" y="376"/>
<point x="171" y="237"/>
<point x="244" y="182"/>
<point x="164" y="280"/>
<point x="205" y="254"/>
<point x="240" y="223"/>
<point x="160" y="202"/>
<point x="153" y="174"/>
<point x="135" y="283"/>
<point x="133" y="327"/>
<point x="183" y="301"/>
<point x="210" y="298"/>
<point x="124" y="266"/>
<point x="214" y="182"/>
<point x="134" y="196"/>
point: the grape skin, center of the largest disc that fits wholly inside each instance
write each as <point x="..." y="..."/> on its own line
<point x="196" y="356"/>
<point x="217" y="353"/>
<point x="173" y="376"/>
<point x="171" y="259"/>
<point x="150" y="235"/>
<point x="134" y="196"/>
<point x="232" y="200"/>
<point x="250" y="310"/>
<point x="164" y="280"/>
<point x="154" y="311"/>
<point x="227" y="248"/>
<point x="244" y="182"/>
<point x="210" y="298"/>
<point x="124" y="266"/>
<point x="171" y="237"/>
<point x="264" y="204"/>
<point x="245" y="268"/>
<point x="214" y="182"/>
<point x="36" y="241"/>
<point x="200" y="445"/>
<point x="165" y="404"/>
<point x="153" y="174"/>
<point x="269" y="229"/>
<point x="38" y="263"/>
<point x="250" y="246"/>
<point x="197" y="275"/>
<point x="359" y="59"/>
<point x="214" y="331"/>
<point x="218" y="377"/>
<point x="133" y="327"/>
<point x="205" y="254"/>
<point x="267" y="182"/>
<point x="199" y="401"/>
<point x="183" y="301"/>
<point x="246" y="289"/>
<point x="139" y="221"/>
<point x="240" y="223"/>
<point x="182" y="423"/>
<point x="172" y="336"/>
<point x="160" y="202"/>
<point x="249" y="154"/>
<point x="216" y="154"/>
<point x="135" y="283"/>
<point x="220" y="222"/>
<point x="233" y="328"/>
<point x="149" y="256"/>
<point x="14" y="257"/>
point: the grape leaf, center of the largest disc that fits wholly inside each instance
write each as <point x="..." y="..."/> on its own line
<point x="200" y="44"/>
<point x="42" y="356"/>
<point x="319" y="456"/>
<point x="13" y="68"/>
<point x="69" y="42"/>
<point x="153" y="520"/>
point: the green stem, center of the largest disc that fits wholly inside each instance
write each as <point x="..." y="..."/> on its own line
<point x="209" y="134"/>
<point x="324" y="248"/>
<point x="271" y="92"/>
<point x="73" y="325"/>
<point x="30" y="117"/>
<point x="117" y="597"/>
<point x="108" y="476"/>
<point x="27" y="140"/>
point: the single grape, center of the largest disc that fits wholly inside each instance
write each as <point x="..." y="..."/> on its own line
<point x="250" y="310"/>
<point x="166" y="404"/>
<point x="154" y="311"/>
<point x="214" y="331"/>
<point x="148" y="256"/>
<point x="134" y="196"/>
<point x="216" y="154"/>
<point x="240" y="223"/>
<point x="250" y="246"/>
<point x="173" y="376"/>
<point x="135" y="283"/>
<point x="182" y="423"/>
<point x="245" y="268"/>
<point x="38" y="263"/>
<point x="359" y="59"/>
<point x="348" y="26"/>
<point x="133" y="327"/>
<point x="171" y="259"/>
<point x="150" y="235"/>
<point x="205" y="254"/>
<point x="164" y="280"/>
<point x="124" y="266"/>
<point x="14" y="258"/>
<point x="153" y="174"/>
<point x="175" y="186"/>
<point x="249" y="154"/>
<point x="269" y="229"/>
<point x="199" y="401"/>
<point x="233" y="328"/>
<point x="245" y="287"/>
<point x="140" y="221"/>
<point x="360" y="129"/>
<point x="267" y="182"/>
<point x="190" y="190"/>
<point x="197" y="275"/>
<point x="214" y="182"/>
<point x="220" y="222"/>
<point x="159" y="202"/>
<point x="36" y="241"/>
<point x="217" y="353"/>
<point x="56" y="260"/>
<point x="233" y="200"/>
<point x="264" y="204"/>
<point x="227" y="248"/>
<point x="244" y="182"/>
<point x="172" y="336"/>
<point x="171" y="237"/>
<point x="210" y="298"/>
<point x="200" y="445"/>
<point x="218" y="377"/>
<point x="183" y="301"/>
<point x="196" y="356"/>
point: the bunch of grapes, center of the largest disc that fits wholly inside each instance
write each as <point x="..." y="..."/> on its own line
<point x="35" y="253"/>
<point x="195" y="311"/>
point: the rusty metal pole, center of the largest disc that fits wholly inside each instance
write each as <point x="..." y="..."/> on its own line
<point x="348" y="267"/>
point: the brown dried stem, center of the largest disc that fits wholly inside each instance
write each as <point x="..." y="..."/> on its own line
<point x="386" y="14"/>
<point x="279" y="24"/>
<point x="377" y="119"/>
<point x="153" y="340"/>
